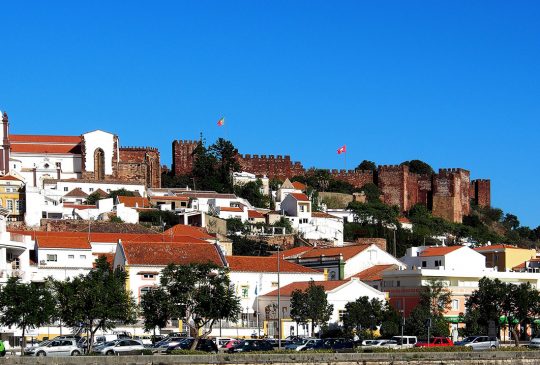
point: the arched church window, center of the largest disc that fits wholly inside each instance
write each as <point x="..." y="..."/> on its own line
<point x="99" y="164"/>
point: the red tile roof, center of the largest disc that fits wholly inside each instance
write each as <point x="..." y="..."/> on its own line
<point x="101" y="193"/>
<point x="294" y="252"/>
<point x="76" y="193"/>
<point x="80" y="243"/>
<point x="523" y="265"/>
<point x="264" y="264"/>
<point x="100" y="237"/>
<point x="164" y="253"/>
<point x="46" y="148"/>
<point x="134" y="201"/>
<point x="9" y="177"/>
<point x="255" y="214"/>
<point x="404" y="220"/>
<point x="439" y="251"/>
<point x="299" y="186"/>
<point x="43" y="138"/>
<point x="300" y="197"/>
<point x="374" y="273"/>
<point x="287" y="290"/>
<point x="230" y="209"/>
<point x="494" y="247"/>
<point x="185" y="230"/>
<point x="312" y="252"/>
<point x="171" y="197"/>
<point x="108" y="256"/>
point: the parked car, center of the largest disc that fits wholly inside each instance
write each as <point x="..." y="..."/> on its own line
<point x="167" y="342"/>
<point x="221" y="341"/>
<point x="145" y="340"/>
<point x="121" y="347"/>
<point x="105" y="338"/>
<point x="405" y="341"/>
<point x="534" y="343"/>
<point x="252" y="345"/>
<point x="301" y="344"/>
<point x="479" y="342"/>
<point x="435" y="342"/>
<point x="340" y="344"/>
<point x="204" y="344"/>
<point x="383" y="344"/>
<point x="62" y="347"/>
<point x="231" y="343"/>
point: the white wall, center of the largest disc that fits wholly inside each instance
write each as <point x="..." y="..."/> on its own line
<point x="370" y="257"/>
<point x="99" y="139"/>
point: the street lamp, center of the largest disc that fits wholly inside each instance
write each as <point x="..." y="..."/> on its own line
<point x="278" y="301"/>
<point x="402" y="325"/>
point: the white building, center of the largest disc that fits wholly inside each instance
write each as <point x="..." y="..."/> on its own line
<point x="242" y="177"/>
<point x="339" y="293"/>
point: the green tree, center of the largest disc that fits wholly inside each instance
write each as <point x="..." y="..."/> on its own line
<point x="243" y="246"/>
<point x="120" y="192"/>
<point x="314" y="307"/>
<point x="367" y="165"/>
<point x="93" y="198"/>
<point x="225" y="154"/>
<point x="156" y="309"/>
<point x="252" y="191"/>
<point x="419" y="167"/>
<point x="510" y="221"/>
<point x="234" y="225"/>
<point x="97" y="300"/>
<point x="363" y="314"/>
<point x="25" y="305"/>
<point x="372" y="192"/>
<point x="202" y="294"/>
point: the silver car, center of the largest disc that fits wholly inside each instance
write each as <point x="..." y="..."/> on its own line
<point x="479" y="342"/>
<point x="535" y="343"/>
<point x="121" y="347"/>
<point x="62" y="347"/>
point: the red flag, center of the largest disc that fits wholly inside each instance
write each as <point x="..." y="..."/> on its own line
<point x="221" y="122"/>
<point x="342" y="149"/>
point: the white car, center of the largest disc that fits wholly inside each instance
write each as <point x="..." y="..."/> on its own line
<point x="121" y="347"/>
<point x="63" y="347"/>
<point x="382" y="344"/>
<point x="535" y="343"/>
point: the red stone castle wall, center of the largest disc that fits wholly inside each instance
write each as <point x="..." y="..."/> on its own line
<point x="140" y="164"/>
<point x="480" y="192"/>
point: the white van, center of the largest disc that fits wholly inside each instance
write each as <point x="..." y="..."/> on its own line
<point x="405" y="342"/>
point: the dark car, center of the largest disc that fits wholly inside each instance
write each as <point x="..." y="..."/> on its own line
<point x="341" y="344"/>
<point x="204" y="344"/>
<point x="252" y="345"/>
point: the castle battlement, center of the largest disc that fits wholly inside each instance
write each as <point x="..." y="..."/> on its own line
<point x="134" y="148"/>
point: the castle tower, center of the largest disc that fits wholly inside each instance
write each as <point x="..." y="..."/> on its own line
<point x="182" y="156"/>
<point x="5" y="146"/>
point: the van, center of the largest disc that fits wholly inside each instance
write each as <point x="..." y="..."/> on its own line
<point x="405" y="341"/>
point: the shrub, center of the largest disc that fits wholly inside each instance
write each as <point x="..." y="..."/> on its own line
<point x="188" y="352"/>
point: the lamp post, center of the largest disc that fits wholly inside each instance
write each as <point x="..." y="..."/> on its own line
<point x="402" y="325"/>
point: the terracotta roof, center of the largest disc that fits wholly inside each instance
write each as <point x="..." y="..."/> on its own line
<point x="46" y="148"/>
<point x="230" y="209"/>
<point x="494" y="247"/>
<point x="164" y="253"/>
<point x="43" y="138"/>
<point x="303" y="285"/>
<point x="185" y="230"/>
<point x="404" y="220"/>
<point x="9" y="177"/>
<point x="134" y="201"/>
<point x="80" y="243"/>
<point x="264" y="264"/>
<point x="101" y="193"/>
<point x="300" y="197"/>
<point x="373" y="273"/>
<point x="254" y="214"/>
<point x="299" y="186"/>
<point x="79" y="206"/>
<point x="170" y="197"/>
<point x="294" y="252"/>
<point x="347" y="252"/>
<point x="76" y="193"/>
<point x="99" y="237"/>
<point x="439" y="251"/>
<point x="323" y="215"/>
<point x="523" y="265"/>
<point x="108" y="256"/>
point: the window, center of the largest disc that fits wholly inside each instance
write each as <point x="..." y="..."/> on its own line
<point x="303" y="220"/>
<point x="9" y="204"/>
<point x="19" y="205"/>
<point x="398" y="283"/>
<point x="144" y="290"/>
<point x="302" y="208"/>
<point x="148" y="276"/>
<point x="455" y="304"/>
<point x="108" y="190"/>
<point x="71" y="257"/>
<point x="437" y="263"/>
<point x="424" y="263"/>
<point x="65" y="188"/>
<point x="91" y="189"/>
<point x="83" y="257"/>
<point x="52" y="258"/>
<point x="274" y="284"/>
<point x="342" y="314"/>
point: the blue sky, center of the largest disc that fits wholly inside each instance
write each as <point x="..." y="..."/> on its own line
<point x="454" y="83"/>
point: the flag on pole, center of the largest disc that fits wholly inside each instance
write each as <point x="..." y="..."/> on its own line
<point x="342" y="149"/>
<point x="221" y="122"/>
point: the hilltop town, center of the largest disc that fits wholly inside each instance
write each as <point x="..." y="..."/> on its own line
<point x="74" y="205"/>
